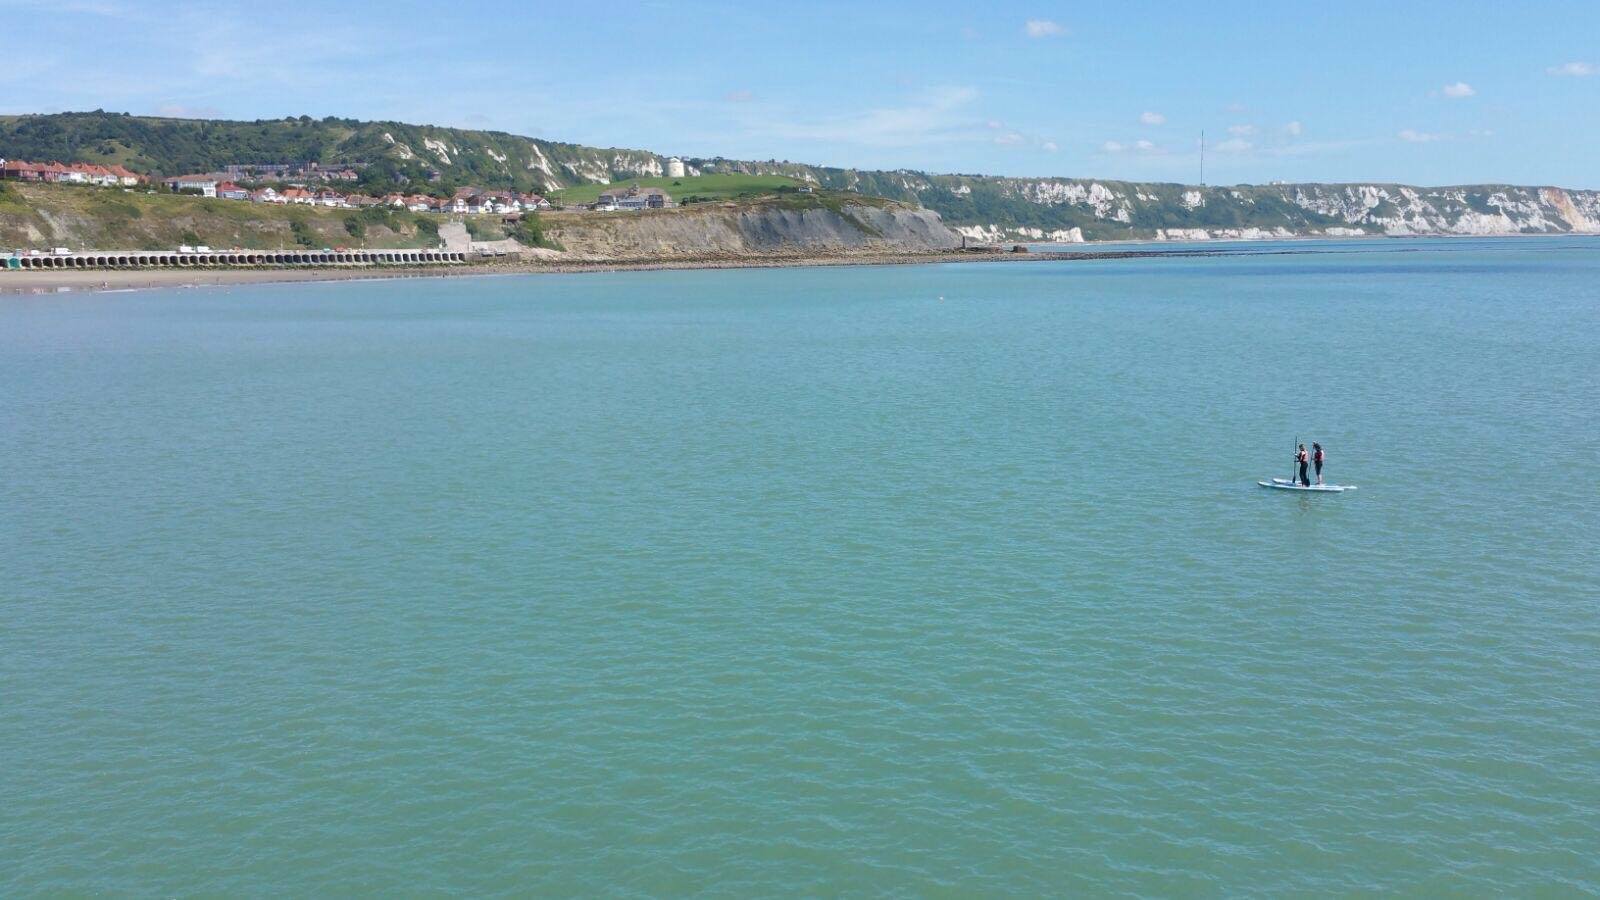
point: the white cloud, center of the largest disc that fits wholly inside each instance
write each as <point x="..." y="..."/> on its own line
<point x="1135" y="147"/>
<point x="184" y="111"/>
<point x="1294" y="128"/>
<point x="1458" y="90"/>
<point x="1412" y="136"/>
<point x="995" y="124"/>
<point x="1241" y="130"/>
<point x="1152" y="118"/>
<point x="228" y="48"/>
<point x="1574" y="69"/>
<point x="739" y="96"/>
<point x="1298" y="149"/>
<point x="1049" y="147"/>
<point x="1039" y="28"/>
<point x="1234" y="145"/>
<point x="1010" y="137"/>
<point x="938" y="116"/>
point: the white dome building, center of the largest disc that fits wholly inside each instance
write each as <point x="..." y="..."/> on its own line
<point x="674" y="168"/>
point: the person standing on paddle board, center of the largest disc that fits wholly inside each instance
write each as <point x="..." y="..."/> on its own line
<point x="1316" y="459"/>
<point x="1302" y="458"/>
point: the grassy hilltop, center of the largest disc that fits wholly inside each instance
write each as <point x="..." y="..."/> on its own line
<point x="703" y="188"/>
<point x="398" y="156"/>
<point x="391" y="155"/>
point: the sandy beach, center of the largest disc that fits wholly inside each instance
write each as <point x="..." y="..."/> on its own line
<point x="54" y="281"/>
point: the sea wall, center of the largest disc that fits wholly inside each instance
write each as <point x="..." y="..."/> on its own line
<point x="190" y="259"/>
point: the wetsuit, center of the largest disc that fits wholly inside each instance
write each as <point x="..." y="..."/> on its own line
<point x="1316" y="458"/>
<point x="1301" y="458"/>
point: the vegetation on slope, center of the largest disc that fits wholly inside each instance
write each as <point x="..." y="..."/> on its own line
<point x="530" y="232"/>
<point x="82" y="217"/>
<point x="990" y="200"/>
<point x="425" y="159"/>
<point x="688" y="189"/>
<point x="391" y="155"/>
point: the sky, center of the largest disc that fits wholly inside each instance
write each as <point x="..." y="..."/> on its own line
<point x="1429" y="93"/>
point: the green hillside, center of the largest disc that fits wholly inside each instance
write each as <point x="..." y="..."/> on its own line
<point x="36" y="215"/>
<point x="420" y="158"/>
<point x="390" y="155"/>
<point x="697" y="188"/>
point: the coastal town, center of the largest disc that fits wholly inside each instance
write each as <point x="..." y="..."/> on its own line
<point x="339" y="212"/>
<point x="73" y="173"/>
<point x="312" y="185"/>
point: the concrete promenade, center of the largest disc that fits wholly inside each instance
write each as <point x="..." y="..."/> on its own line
<point x="216" y="259"/>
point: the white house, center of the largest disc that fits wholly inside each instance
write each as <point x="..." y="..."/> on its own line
<point x="85" y="173"/>
<point x="205" y="184"/>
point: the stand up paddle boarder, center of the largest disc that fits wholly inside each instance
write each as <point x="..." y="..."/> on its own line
<point x="1300" y="478"/>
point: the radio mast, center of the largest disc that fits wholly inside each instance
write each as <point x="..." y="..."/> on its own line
<point x="1202" y="157"/>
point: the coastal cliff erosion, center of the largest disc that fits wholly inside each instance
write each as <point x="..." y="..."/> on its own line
<point x="1075" y="211"/>
<point x="774" y="229"/>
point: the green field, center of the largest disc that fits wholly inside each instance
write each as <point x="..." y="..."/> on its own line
<point x="701" y="187"/>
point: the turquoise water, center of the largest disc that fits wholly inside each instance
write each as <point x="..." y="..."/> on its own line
<point x="924" y="580"/>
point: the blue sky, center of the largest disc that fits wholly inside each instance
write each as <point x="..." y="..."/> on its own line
<point x="1418" y="92"/>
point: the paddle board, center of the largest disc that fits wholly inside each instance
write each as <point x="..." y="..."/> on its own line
<point x="1284" y="484"/>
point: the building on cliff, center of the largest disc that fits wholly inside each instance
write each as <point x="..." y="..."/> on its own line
<point x="634" y="197"/>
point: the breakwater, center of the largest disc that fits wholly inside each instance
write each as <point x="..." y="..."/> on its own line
<point x="150" y="259"/>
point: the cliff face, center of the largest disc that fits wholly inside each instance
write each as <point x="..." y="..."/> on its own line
<point x="769" y="229"/>
<point x="36" y="215"/>
<point x="984" y="207"/>
<point x="1484" y="209"/>
<point x="1069" y="210"/>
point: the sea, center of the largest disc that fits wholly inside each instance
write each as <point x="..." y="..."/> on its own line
<point x="938" y="580"/>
